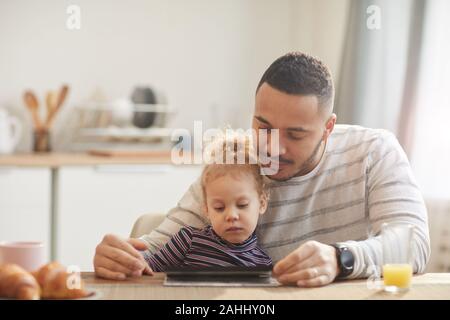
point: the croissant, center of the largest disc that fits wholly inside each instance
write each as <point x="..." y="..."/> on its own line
<point x="55" y="283"/>
<point x="16" y="282"/>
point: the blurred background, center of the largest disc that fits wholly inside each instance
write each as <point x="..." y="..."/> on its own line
<point x="136" y="69"/>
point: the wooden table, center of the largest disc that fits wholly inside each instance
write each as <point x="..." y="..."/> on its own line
<point x="427" y="286"/>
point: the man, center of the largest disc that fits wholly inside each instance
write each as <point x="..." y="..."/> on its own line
<point x="336" y="185"/>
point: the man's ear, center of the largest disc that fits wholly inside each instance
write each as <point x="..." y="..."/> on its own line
<point x="329" y="126"/>
<point x="263" y="202"/>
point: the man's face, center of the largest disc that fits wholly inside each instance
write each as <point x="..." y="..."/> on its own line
<point x="303" y="129"/>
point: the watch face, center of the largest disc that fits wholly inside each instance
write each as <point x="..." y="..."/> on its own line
<point x="347" y="260"/>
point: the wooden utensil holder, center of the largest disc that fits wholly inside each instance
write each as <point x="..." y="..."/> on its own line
<point x="41" y="141"/>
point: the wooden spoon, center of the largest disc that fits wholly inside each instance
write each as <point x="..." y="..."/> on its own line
<point x="50" y="101"/>
<point x="59" y="102"/>
<point x="33" y="105"/>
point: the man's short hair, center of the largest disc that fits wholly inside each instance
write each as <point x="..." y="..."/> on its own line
<point x="297" y="73"/>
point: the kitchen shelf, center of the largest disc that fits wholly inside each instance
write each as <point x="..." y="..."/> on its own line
<point x="126" y="132"/>
<point x="160" y="108"/>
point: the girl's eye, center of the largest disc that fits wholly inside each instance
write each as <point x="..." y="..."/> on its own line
<point x="242" y="205"/>
<point x="219" y="209"/>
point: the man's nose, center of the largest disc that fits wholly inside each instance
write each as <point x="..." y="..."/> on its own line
<point x="276" y="146"/>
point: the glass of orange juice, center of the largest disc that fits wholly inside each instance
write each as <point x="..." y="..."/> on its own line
<point x="397" y="240"/>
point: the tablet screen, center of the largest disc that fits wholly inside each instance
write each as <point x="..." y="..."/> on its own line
<point x="232" y="271"/>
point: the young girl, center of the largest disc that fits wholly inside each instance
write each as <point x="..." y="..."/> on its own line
<point x="234" y="197"/>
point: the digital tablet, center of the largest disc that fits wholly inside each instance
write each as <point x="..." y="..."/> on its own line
<point x="232" y="271"/>
<point x="260" y="276"/>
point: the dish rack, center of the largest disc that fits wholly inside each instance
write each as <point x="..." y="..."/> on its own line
<point x="103" y="126"/>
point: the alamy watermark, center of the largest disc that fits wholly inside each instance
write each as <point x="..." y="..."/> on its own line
<point x="73" y="281"/>
<point x="73" y="21"/>
<point x="198" y="148"/>
<point x="373" y="21"/>
<point x="374" y="281"/>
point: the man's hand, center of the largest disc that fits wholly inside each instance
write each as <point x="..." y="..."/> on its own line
<point x="116" y="258"/>
<point x="313" y="264"/>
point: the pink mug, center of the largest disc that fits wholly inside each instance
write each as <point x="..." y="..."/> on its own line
<point x="28" y="255"/>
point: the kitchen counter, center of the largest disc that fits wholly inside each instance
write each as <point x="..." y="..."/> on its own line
<point x="55" y="160"/>
<point x="66" y="189"/>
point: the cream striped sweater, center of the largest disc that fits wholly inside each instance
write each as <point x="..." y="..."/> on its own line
<point x="363" y="180"/>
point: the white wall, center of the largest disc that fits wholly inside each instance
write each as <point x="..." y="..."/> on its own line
<point x="319" y="27"/>
<point x="199" y="52"/>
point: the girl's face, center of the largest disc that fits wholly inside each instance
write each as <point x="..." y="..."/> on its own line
<point x="233" y="206"/>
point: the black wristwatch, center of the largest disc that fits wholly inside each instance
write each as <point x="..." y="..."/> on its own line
<point x="345" y="260"/>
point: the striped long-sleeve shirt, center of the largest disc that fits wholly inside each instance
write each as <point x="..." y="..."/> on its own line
<point x="362" y="180"/>
<point x="191" y="247"/>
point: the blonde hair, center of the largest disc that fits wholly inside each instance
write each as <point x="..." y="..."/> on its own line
<point x="232" y="152"/>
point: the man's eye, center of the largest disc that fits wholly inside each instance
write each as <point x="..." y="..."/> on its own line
<point x="242" y="205"/>
<point x="294" y="137"/>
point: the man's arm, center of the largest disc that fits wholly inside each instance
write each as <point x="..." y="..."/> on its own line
<point x="392" y="196"/>
<point x="117" y="258"/>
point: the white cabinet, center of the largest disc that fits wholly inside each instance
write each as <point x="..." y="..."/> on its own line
<point x="25" y="199"/>
<point x="95" y="200"/>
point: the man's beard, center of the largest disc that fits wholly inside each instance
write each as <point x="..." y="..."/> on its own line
<point x="305" y="167"/>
